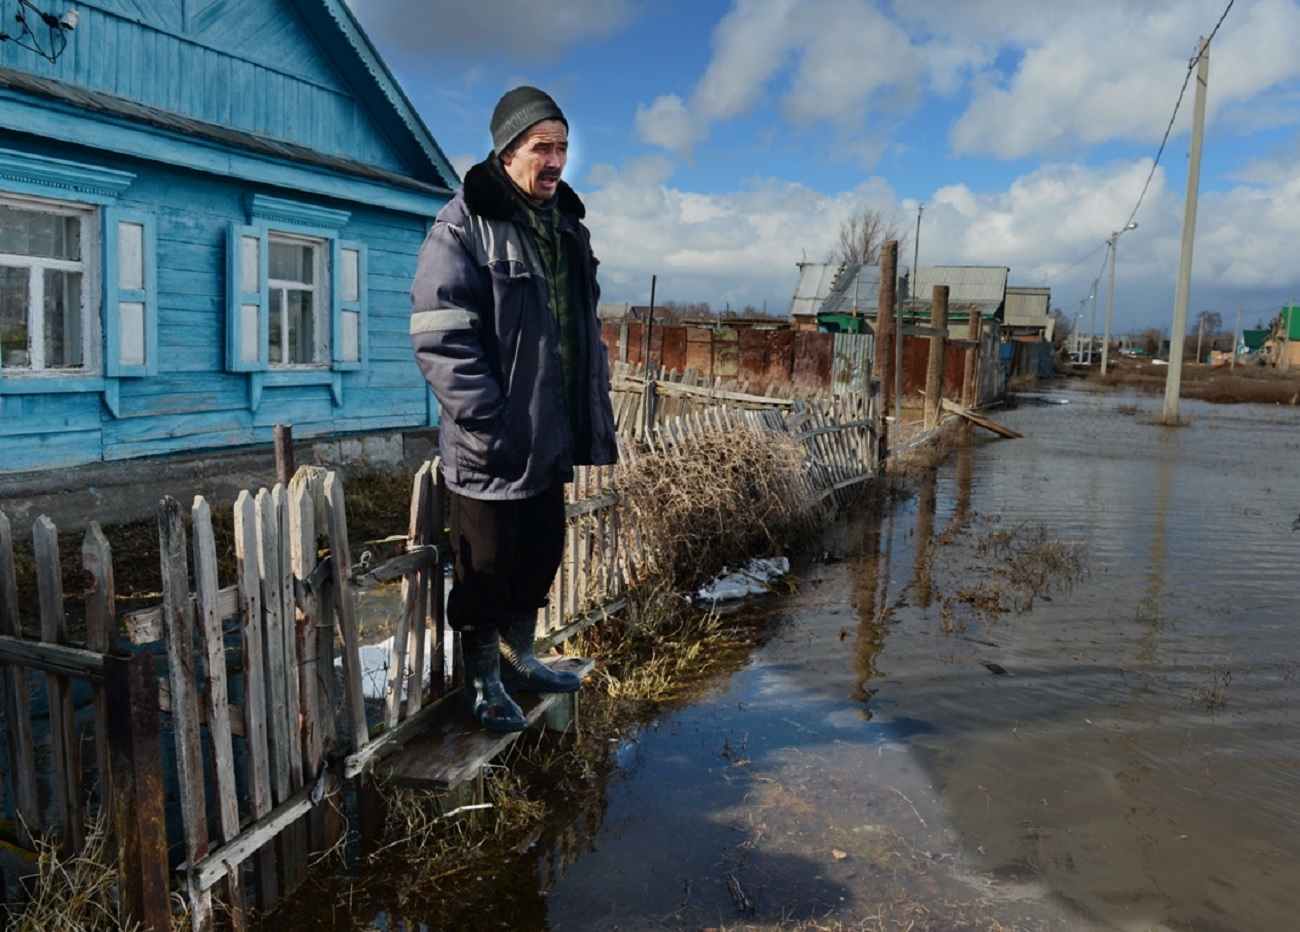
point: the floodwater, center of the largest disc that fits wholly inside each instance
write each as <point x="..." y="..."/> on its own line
<point x="928" y="741"/>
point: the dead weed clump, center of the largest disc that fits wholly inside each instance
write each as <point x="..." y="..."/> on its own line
<point x="738" y="493"/>
<point x="74" y="892"/>
<point x="1007" y="570"/>
<point x="661" y="647"/>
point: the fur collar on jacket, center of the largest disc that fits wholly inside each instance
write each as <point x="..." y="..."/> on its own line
<point x="488" y="193"/>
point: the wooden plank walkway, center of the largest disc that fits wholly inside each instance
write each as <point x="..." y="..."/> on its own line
<point x="452" y="749"/>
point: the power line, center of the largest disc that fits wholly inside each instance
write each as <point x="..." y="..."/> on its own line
<point x="1191" y="69"/>
<point x="1078" y="262"/>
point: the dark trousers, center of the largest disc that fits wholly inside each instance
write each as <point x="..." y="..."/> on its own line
<point x="506" y="555"/>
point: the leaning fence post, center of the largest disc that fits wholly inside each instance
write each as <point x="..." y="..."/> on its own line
<point x="135" y="786"/>
<point x="284" y="468"/>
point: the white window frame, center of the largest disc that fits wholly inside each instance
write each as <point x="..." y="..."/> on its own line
<point x="90" y="269"/>
<point x="318" y="288"/>
<point x="341" y="314"/>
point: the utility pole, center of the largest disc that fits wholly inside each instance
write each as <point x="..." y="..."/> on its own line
<point x="1173" y="381"/>
<point x="1110" y="295"/>
<point x="1285" y="362"/>
<point x="1236" y="340"/>
<point x="916" y="253"/>
<point x="1092" y="328"/>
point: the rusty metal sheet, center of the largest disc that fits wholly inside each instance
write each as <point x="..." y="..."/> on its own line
<point x="814" y="354"/>
<point x="780" y="356"/>
<point x="673" y="355"/>
<point x="752" y="354"/>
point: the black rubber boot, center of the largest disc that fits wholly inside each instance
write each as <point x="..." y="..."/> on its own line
<point x="520" y="668"/>
<point x="488" y="701"/>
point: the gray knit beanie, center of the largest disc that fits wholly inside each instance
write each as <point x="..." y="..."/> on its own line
<point x="518" y="110"/>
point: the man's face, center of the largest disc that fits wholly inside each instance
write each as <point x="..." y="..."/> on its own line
<point x="538" y="160"/>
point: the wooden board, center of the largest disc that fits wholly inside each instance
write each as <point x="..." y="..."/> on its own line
<point x="979" y="419"/>
<point x="454" y="748"/>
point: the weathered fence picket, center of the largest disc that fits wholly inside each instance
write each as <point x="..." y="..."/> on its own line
<point x="178" y="625"/>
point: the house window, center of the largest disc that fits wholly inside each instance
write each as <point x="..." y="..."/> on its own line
<point x="298" y="325"/>
<point x="47" y="265"/>
<point x="297" y="296"/>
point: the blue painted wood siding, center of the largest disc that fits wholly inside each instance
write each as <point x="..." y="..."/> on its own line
<point x="244" y="64"/>
<point x="193" y="403"/>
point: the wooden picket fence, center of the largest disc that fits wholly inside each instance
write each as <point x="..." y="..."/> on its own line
<point x="234" y="702"/>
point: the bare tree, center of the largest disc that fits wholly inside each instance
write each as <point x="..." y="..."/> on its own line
<point x="861" y="236"/>
<point x="1208" y="323"/>
<point x="1064" y="326"/>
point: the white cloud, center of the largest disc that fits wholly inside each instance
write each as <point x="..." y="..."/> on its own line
<point x="1049" y="226"/>
<point x="739" y="248"/>
<point x="849" y="54"/>
<point x="1116" y="72"/>
<point x="750" y="44"/>
<point x="825" y="61"/>
<point x="668" y="124"/>
<point x="523" y="32"/>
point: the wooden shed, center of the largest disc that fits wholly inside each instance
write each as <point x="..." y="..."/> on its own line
<point x="210" y="212"/>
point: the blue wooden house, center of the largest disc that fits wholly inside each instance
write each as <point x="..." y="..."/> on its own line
<point x="210" y="212"/>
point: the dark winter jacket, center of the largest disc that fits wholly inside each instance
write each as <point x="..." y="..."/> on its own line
<point x="488" y="344"/>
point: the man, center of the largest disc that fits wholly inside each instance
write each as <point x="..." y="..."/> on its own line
<point x="504" y="328"/>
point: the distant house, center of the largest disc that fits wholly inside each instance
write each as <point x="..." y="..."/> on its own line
<point x="836" y="297"/>
<point x="1251" y="343"/>
<point x="209" y="219"/>
<point x="843" y="297"/>
<point x="1281" y="347"/>
<point x="972" y="291"/>
<point x="1028" y="316"/>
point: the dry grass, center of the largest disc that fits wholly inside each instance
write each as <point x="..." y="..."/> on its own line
<point x="662" y="647"/>
<point x="1010" y="569"/>
<point x="74" y="893"/>
<point x="1217" y="384"/>
<point x="738" y="494"/>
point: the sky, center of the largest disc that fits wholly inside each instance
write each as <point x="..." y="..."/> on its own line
<point x="719" y="143"/>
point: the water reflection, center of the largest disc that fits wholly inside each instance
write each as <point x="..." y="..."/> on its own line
<point x="1147" y="727"/>
<point x="1135" y="768"/>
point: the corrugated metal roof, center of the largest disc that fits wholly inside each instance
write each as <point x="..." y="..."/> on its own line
<point x="816" y="281"/>
<point x="836" y="288"/>
<point x="970" y="287"/>
<point x="858" y="292"/>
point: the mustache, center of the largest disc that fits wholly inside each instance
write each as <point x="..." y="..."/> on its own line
<point x="551" y="174"/>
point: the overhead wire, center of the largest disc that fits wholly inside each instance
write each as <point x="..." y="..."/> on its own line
<point x="1191" y="69"/>
<point x="1187" y="79"/>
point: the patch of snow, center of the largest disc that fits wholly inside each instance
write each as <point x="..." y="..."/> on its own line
<point x="376" y="659"/>
<point x="755" y="579"/>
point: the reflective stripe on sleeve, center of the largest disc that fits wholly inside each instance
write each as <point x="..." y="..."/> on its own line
<point x="443" y="318"/>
